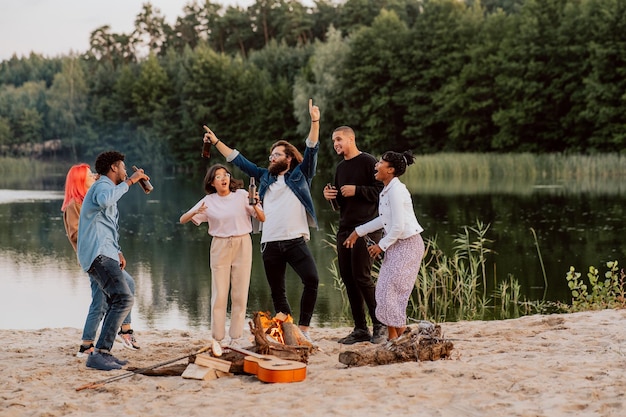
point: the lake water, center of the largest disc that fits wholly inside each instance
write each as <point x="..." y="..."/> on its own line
<point x="43" y="286"/>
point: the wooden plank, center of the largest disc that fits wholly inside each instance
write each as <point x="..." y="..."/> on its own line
<point x="194" y="371"/>
<point x="211" y="362"/>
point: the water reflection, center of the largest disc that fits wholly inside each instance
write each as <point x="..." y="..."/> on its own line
<point x="169" y="262"/>
<point x="43" y="285"/>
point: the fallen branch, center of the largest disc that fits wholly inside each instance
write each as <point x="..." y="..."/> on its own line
<point x="98" y="384"/>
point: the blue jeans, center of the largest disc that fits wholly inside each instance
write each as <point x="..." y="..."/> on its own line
<point x="295" y="252"/>
<point x="109" y="277"/>
<point x="98" y="307"/>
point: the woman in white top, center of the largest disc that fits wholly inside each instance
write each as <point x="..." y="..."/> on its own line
<point x="227" y="210"/>
<point x="402" y="242"/>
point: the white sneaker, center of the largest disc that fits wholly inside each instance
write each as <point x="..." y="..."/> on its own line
<point x="127" y="339"/>
<point x="239" y="342"/>
<point x="225" y="342"/>
<point x="84" y="350"/>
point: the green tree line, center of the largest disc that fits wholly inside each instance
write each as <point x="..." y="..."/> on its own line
<point x="427" y="75"/>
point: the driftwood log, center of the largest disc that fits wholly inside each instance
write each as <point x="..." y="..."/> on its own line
<point x="423" y="342"/>
<point x="172" y="370"/>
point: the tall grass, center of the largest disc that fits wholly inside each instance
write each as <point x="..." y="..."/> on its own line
<point x="453" y="287"/>
<point x="26" y="166"/>
<point x="16" y="173"/>
<point x="455" y="173"/>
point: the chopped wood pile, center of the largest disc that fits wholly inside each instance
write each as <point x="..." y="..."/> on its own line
<point x="207" y="367"/>
<point x="423" y="342"/>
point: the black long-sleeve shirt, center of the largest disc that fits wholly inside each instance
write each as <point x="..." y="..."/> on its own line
<point x="363" y="206"/>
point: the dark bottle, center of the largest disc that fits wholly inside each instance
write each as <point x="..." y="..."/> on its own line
<point x="252" y="192"/>
<point x="206" y="150"/>
<point x="333" y="202"/>
<point x="145" y="184"/>
<point x="370" y="242"/>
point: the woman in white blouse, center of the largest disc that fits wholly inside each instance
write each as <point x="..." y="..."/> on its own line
<point x="402" y="242"/>
<point x="227" y="210"/>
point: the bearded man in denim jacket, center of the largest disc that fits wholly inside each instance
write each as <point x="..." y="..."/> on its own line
<point x="285" y="189"/>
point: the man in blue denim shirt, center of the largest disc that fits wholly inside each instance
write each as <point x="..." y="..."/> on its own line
<point x="285" y="189"/>
<point x="99" y="252"/>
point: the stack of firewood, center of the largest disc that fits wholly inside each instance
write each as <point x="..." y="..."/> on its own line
<point x="207" y="367"/>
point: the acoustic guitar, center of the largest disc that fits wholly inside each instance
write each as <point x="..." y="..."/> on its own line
<point x="269" y="368"/>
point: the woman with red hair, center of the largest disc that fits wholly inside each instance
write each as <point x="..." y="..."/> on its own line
<point x="78" y="180"/>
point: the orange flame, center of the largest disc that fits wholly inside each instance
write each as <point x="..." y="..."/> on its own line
<point x="273" y="326"/>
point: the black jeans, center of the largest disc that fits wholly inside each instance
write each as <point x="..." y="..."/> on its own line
<point x="296" y="253"/>
<point x="355" y="266"/>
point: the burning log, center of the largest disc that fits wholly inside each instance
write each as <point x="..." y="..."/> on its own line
<point x="280" y="337"/>
<point x="422" y="343"/>
<point x="293" y="335"/>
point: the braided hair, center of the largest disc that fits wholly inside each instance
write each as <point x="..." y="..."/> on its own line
<point x="398" y="161"/>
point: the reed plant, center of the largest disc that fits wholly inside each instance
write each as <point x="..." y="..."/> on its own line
<point x="27" y="166"/>
<point x="524" y="173"/>
<point x="453" y="287"/>
<point x="17" y="173"/>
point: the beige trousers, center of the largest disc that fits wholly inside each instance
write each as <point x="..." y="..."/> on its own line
<point x="231" y="265"/>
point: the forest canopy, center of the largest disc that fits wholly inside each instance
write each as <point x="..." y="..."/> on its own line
<point x="537" y="76"/>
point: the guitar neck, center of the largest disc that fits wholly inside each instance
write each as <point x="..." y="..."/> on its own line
<point x="246" y="352"/>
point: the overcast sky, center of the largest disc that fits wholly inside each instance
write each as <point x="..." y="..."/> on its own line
<point x="56" y="27"/>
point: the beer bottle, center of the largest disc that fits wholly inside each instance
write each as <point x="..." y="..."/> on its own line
<point x="145" y="184"/>
<point x="206" y="150"/>
<point x="333" y="202"/>
<point x="252" y="192"/>
<point x="370" y="242"/>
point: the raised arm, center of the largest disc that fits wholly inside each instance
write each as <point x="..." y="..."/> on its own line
<point x="209" y="136"/>
<point x="314" y="132"/>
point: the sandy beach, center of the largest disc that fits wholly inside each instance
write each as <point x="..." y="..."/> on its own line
<point x="555" y="365"/>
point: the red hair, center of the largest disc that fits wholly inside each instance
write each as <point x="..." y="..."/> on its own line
<point x="75" y="188"/>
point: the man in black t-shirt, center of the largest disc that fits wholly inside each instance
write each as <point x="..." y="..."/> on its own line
<point x="356" y="193"/>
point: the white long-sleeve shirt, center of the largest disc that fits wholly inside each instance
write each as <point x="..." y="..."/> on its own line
<point x="395" y="215"/>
